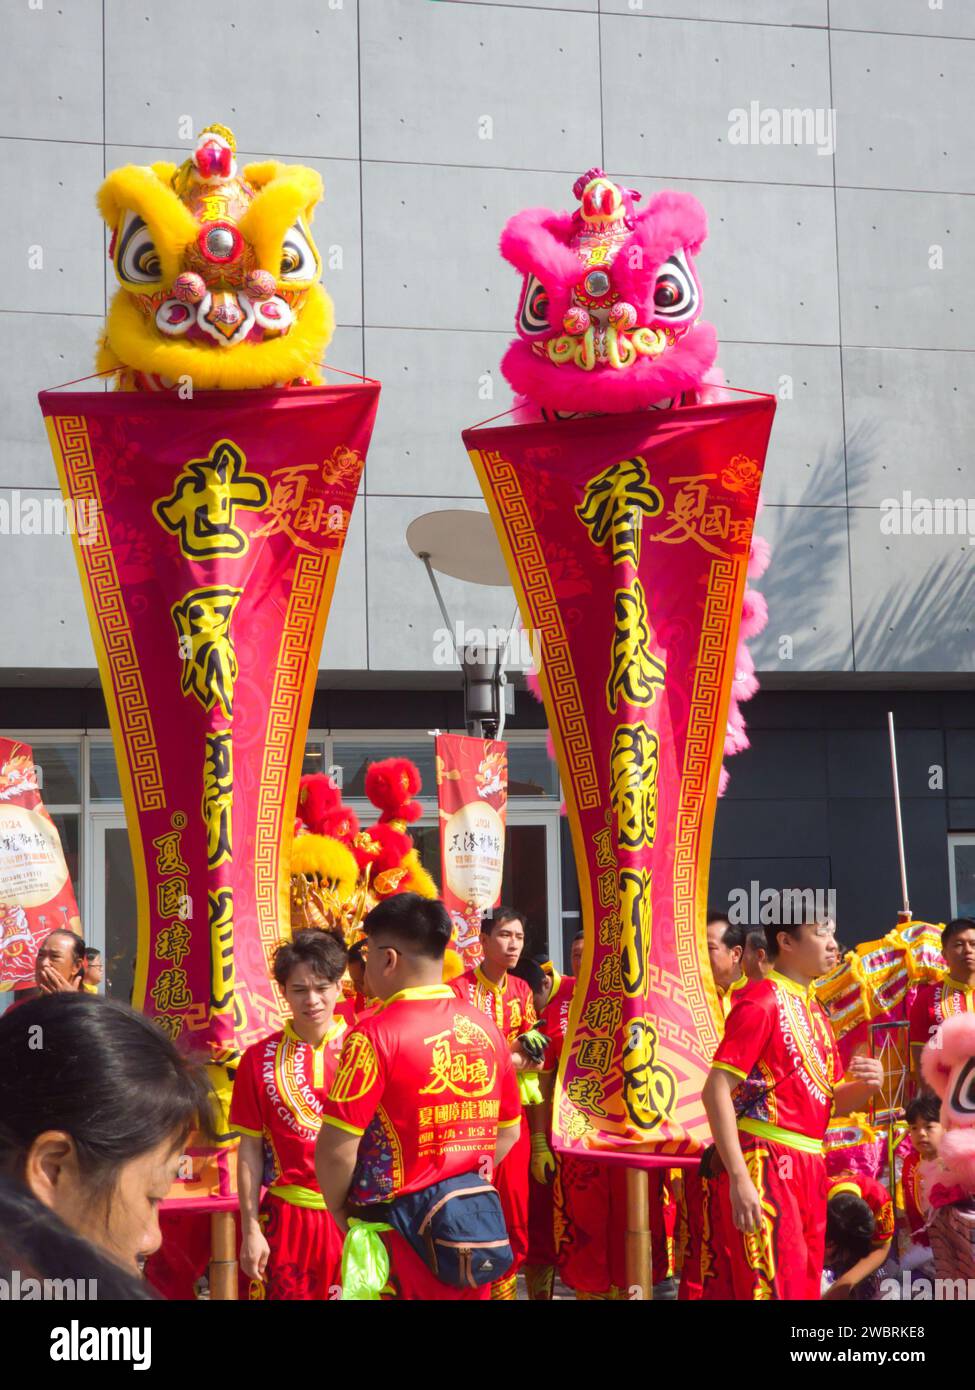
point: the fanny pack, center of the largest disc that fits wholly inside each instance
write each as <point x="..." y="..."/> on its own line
<point x="456" y="1227"/>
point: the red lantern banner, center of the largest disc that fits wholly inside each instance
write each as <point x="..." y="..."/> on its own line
<point x="472" y="792"/>
<point x="36" y="896"/>
<point x="219" y="523"/>
<point x="627" y="541"/>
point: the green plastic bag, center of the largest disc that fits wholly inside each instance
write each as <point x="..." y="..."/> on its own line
<point x="365" y="1263"/>
<point x="531" y="1092"/>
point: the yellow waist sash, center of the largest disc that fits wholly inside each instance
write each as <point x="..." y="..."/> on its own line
<point x="299" y="1196"/>
<point x="763" y="1130"/>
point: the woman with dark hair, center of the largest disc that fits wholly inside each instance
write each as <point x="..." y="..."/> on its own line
<point x="96" y="1105"/>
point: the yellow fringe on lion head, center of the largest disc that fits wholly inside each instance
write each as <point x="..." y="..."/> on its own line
<point x="322" y="857"/>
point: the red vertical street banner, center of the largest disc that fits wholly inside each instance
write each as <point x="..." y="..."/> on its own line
<point x="472" y="793"/>
<point x="627" y="540"/>
<point x="214" y="530"/>
<point x="36" y="896"/>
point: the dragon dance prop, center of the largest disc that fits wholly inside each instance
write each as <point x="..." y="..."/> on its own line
<point x="948" y="1067"/>
<point x="624" y="499"/>
<point x="223" y="474"/>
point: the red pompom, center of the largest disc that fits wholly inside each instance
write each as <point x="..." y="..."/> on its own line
<point x="318" y="797"/>
<point x="342" y="824"/>
<point x="391" y="786"/>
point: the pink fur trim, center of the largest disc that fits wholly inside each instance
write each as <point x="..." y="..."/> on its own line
<point x="670" y="221"/>
<point x="957" y="1154"/>
<point x="639" y="386"/>
<point x="754" y="614"/>
<point x="534" y="242"/>
<point x="759" y="557"/>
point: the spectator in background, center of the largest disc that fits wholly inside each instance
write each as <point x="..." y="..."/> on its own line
<point x="94" y="970"/>
<point x="575" y="954"/>
<point x="726" y="946"/>
<point x="60" y="964"/>
<point x="96" y="1105"/>
<point x="754" y="960"/>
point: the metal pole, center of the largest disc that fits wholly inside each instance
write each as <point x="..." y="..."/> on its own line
<point x="638" y="1276"/>
<point x="897" y="813"/>
<point x="425" y="557"/>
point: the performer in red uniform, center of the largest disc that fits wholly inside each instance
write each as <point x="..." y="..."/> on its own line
<point x="954" y="993"/>
<point x="425" y="1088"/>
<point x="773" y="1083"/>
<point x="290" y="1246"/>
<point x="923" y="1115"/>
<point x="508" y="1002"/>
<point x="701" y="1256"/>
<point x="552" y="994"/>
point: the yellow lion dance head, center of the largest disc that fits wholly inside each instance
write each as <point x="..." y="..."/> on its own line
<point x="218" y="271"/>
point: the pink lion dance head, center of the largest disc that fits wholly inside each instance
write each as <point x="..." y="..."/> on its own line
<point x="609" y="315"/>
<point x="948" y="1066"/>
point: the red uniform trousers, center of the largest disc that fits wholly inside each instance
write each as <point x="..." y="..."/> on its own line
<point x="512" y="1179"/>
<point x="784" y="1260"/>
<point x="703" y="1255"/>
<point x="592" y="1248"/>
<point x="410" y="1278"/>
<point x="184" y="1256"/>
<point x="305" y="1260"/>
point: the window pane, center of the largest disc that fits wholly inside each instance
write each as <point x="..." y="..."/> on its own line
<point x="354" y="758"/>
<point x="531" y="772"/>
<point x="59" y="765"/>
<point x="314" y="759"/>
<point x="103" y="777"/>
<point x="965" y="880"/>
<point x="120" y="916"/>
<point x="524" y="883"/>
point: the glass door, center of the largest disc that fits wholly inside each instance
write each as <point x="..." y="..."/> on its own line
<point x="111" y="921"/>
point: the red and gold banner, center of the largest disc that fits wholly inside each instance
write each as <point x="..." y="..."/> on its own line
<point x="627" y="540"/>
<point x="472" y="793"/>
<point x="219" y="526"/>
<point x="36" y="896"/>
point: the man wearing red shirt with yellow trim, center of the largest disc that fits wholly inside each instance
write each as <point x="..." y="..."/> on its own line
<point x="954" y="993"/>
<point x="425" y="1088"/>
<point x="774" y="1081"/>
<point x="289" y="1243"/>
<point x="508" y="1002"/>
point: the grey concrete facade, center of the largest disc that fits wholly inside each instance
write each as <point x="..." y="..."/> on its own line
<point x="841" y="280"/>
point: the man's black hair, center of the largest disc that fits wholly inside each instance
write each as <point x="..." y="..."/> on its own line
<point x="923" y="1108"/>
<point x="420" y="925"/>
<point x="850" y="1226"/>
<point x="499" y="916"/>
<point x="324" y="951"/>
<point x="955" y="927"/>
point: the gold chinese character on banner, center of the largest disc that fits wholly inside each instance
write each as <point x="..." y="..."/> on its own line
<point x="608" y="975"/>
<point x="633" y="791"/>
<point x="209" y="658"/>
<point x="692" y="519"/>
<point x="649" y="1087"/>
<point x="603" y="1015"/>
<point x="603" y="840"/>
<point x="201" y="510"/>
<point x="173" y="942"/>
<point x="170" y="991"/>
<point x="636" y="911"/>
<point x="595" y="1054"/>
<point x="169" y="859"/>
<point x="636" y="674"/>
<point x="586" y="1091"/>
<point x="456" y="1071"/>
<point x="172" y="897"/>
<point x="218" y="796"/>
<point x="221" y="915"/>
<point x="614" y="505"/>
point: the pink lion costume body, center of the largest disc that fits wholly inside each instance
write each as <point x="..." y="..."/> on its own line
<point x="609" y="320"/>
<point x="948" y="1066"/>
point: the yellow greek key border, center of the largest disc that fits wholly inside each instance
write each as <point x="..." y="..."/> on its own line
<point x="540" y="610"/>
<point x="702" y="760"/>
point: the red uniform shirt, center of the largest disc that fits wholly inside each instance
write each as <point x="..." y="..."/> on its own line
<point x="427" y="1085"/>
<point x="510" y="1004"/>
<point x="935" y="1002"/>
<point x="779" y="1043"/>
<point x="876" y="1197"/>
<point x="279" y="1089"/>
<point x="554" y="1021"/>
<point x="915" y="1199"/>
